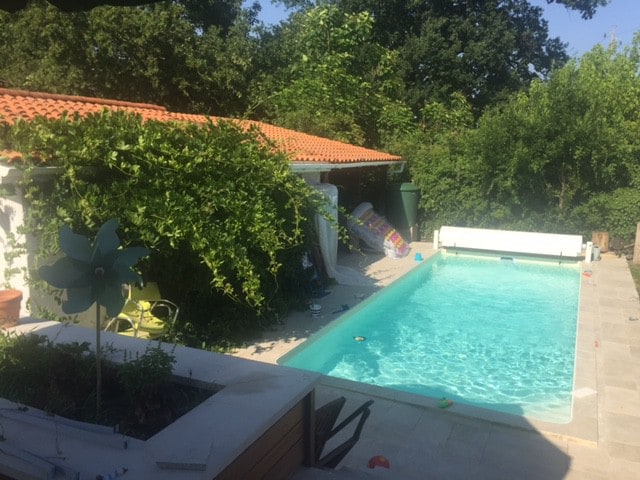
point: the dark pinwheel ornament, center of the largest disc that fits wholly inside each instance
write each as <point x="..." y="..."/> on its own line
<point x="94" y="273"/>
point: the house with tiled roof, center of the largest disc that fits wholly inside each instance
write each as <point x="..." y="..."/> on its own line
<point x="309" y="153"/>
<point x="319" y="160"/>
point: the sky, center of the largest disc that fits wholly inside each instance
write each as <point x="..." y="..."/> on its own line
<point x="620" y="20"/>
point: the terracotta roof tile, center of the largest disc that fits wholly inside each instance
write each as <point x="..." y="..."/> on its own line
<point x="301" y="147"/>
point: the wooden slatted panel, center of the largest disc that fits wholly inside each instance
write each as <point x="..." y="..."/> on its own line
<point x="602" y="240"/>
<point x="288" y="450"/>
<point x="279" y="451"/>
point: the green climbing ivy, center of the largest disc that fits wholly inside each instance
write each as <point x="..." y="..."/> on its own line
<point x="224" y="216"/>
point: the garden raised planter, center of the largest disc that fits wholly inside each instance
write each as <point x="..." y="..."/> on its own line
<point x="257" y="423"/>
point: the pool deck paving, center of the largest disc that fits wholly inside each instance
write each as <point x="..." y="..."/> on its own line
<point x="422" y="441"/>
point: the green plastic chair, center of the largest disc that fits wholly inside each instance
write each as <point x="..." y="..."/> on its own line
<point x="145" y="313"/>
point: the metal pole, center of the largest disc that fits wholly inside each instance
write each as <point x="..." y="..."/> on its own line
<point x="98" y="360"/>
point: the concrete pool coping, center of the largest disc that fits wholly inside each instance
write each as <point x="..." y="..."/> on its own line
<point x="606" y="411"/>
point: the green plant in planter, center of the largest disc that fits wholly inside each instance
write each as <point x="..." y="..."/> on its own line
<point x="93" y="273"/>
<point x="141" y="395"/>
<point x="146" y="381"/>
<point x="143" y="372"/>
<point x="35" y="371"/>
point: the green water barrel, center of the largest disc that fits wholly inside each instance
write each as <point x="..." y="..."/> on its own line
<point x="402" y="204"/>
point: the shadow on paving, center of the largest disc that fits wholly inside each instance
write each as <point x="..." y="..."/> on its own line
<point x="422" y="442"/>
<point x="297" y="326"/>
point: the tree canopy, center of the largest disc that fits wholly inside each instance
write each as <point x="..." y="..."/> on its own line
<point x="214" y="57"/>
<point x="562" y="156"/>
<point x="189" y="56"/>
<point x="484" y="49"/>
<point x="73" y="5"/>
<point x="338" y="82"/>
<point x="587" y="8"/>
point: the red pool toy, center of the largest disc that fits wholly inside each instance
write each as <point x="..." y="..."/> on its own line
<point x="379" y="461"/>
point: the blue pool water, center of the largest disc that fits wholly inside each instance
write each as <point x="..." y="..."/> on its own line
<point x="485" y="331"/>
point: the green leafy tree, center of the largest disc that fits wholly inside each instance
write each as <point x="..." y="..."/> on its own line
<point x="587" y="8"/>
<point x="617" y="212"/>
<point x="224" y="65"/>
<point x="450" y="180"/>
<point x="484" y="49"/>
<point x="43" y="48"/>
<point x="569" y="138"/>
<point x="147" y="55"/>
<point x="546" y="157"/>
<point x="338" y="83"/>
<point x="188" y="56"/>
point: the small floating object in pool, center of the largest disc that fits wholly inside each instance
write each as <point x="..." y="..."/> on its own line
<point x="419" y="257"/>
<point x="359" y="338"/>
<point x="379" y="461"/>
<point x="444" y="403"/>
<point x="506" y="259"/>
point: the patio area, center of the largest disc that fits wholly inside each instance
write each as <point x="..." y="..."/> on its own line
<point x="422" y="441"/>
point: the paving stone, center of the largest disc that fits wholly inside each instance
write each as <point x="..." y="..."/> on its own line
<point x="586" y="459"/>
<point x="622" y="400"/>
<point x="622" y="451"/>
<point x="622" y="428"/>
<point x="624" y="470"/>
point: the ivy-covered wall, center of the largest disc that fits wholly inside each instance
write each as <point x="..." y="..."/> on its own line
<point x="13" y="261"/>
<point x="225" y="218"/>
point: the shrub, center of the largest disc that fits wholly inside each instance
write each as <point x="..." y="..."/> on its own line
<point x="220" y="210"/>
<point x="140" y="395"/>
<point x="616" y="212"/>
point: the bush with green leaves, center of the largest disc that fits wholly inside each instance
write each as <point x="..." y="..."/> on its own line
<point x="450" y="181"/>
<point x="218" y="206"/>
<point x="141" y="395"/>
<point x="546" y="159"/>
<point x="144" y="372"/>
<point x="617" y="212"/>
<point x="57" y="378"/>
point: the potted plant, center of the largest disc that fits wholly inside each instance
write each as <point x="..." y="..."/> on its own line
<point x="10" y="301"/>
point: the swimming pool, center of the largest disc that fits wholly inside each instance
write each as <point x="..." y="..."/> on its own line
<point x="492" y="332"/>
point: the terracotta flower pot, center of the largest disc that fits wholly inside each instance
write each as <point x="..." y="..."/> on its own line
<point x="9" y="307"/>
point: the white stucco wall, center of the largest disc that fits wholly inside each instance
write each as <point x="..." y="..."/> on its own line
<point x="312" y="178"/>
<point x="13" y="268"/>
<point x="18" y="251"/>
